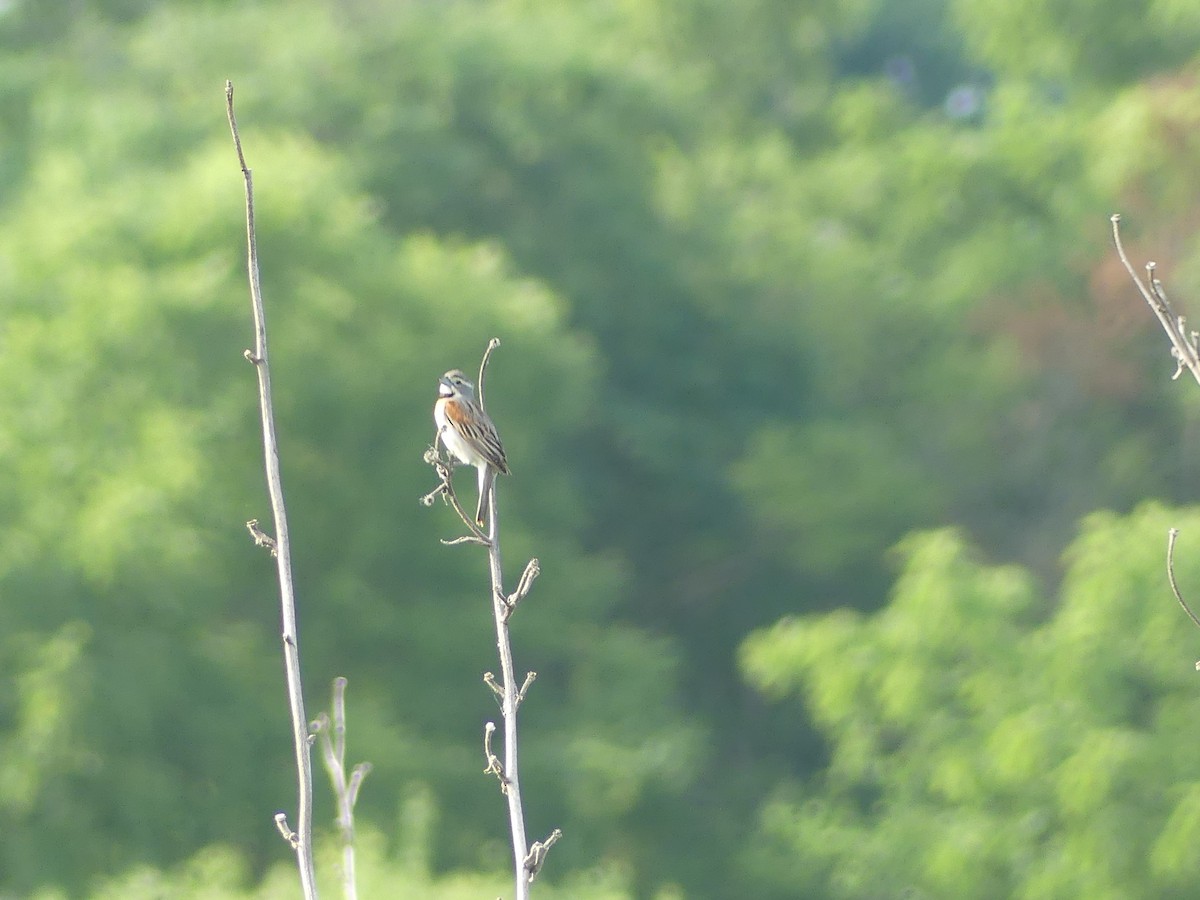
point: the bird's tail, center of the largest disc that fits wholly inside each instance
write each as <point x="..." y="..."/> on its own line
<point x="487" y="478"/>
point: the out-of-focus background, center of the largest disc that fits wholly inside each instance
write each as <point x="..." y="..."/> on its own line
<point x="847" y="447"/>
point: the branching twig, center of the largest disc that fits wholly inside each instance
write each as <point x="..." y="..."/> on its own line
<point x="494" y="766"/>
<point x="445" y="490"/>
<point x="527" y="862"/>
<point x="530" y="678"/>
<point x="532" y="570"/>
<point x="332" y="734"/>
<point x="301" y="839"/>
<point x="1185" y="348"/>
<point x="483" y="364"/>
<point x="261" y="538"/>
<point x="537" y="853"/>
<point x="490" y="680"/>
<point x="1185" y="345"/>
<point x="285" y="830"/>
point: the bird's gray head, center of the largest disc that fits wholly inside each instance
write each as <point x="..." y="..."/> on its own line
<point x="454" y="383"/>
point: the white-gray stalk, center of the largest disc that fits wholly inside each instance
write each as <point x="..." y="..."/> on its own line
<point x="1185" y="344"/>
<point x="331" y="731"/>
<point x="527" y="860"/>
<point x="509" y="693"/>
<point x="301" y="838"/>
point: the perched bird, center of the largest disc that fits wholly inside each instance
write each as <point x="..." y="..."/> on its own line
<point x="468" y="433"/>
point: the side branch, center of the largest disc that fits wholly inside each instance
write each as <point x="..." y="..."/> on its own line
<point x="331" y="731"/>
<point x="445" y="490"/>
<point x="1185" y="348"/>
<point x="301" y="839"/>
<point x="1172" y="534"/>
<point x="261" y="538"/>
<point x="507" y="771"/>
<point x="1185" y="345"/>
<point x="483" y="364"/>
<point x="537" y="854"/>
<point x="532" y="570"/>
<point x="494" y="766"/>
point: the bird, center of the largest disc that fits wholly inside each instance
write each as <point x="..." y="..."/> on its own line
<point x="469" y="434"/>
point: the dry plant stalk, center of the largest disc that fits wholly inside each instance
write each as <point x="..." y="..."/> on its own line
<point x="1185" y="345"/>
<point x="527" y="860"/>
<point x="301" y="838"/>
<point x="331" y="732"/>
<point x="1185" y="349"/>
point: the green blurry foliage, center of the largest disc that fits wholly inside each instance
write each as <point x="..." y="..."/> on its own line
<point x="124" y="388"/>
<point x="1080" y="42"/>
<point x="219" y="872"/>
<point x="764" y="308"/>
<point x="988" y="741"/>
<point x="816" y="489"/>
<point x="1145" y="145"/>
<point x="757" y="59"/>
<point x="43" y="748"/>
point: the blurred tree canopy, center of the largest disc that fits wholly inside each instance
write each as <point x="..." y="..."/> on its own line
<point x="987" y="741"/>
<point x="778" y="289"/>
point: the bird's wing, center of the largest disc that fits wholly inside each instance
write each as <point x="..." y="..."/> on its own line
<point x="475" y="427"/>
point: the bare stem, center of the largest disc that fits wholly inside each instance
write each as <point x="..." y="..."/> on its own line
<point x="301" y="839"/>
<point x="331" y="731"/>
<point x="1184" y="346"/>
<point x="508" y="702"/>
<point x="1172" y="534"/>
<point x="526" y="861"/>
<point x="508" y="683"/>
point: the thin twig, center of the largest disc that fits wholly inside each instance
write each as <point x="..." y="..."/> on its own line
<point x="1172" y="534"/>
<point x="360" y="772"/>
<point x="530" y="678"/>
<point x="537" y="854"/>
<point x="332" y="733"/>
<point x="490" y="680"/>
<point x="1184" y="347"/>
<point x="281" y="823"/>
<point x="445" y="490"/>
<point x="494" y="766"/>
<point x="483" y="364"/>
<point x="465" y="539"/>
<point x="301" y="839"/>
<point x="532" y="570"/>
<point x="261" y="538"/>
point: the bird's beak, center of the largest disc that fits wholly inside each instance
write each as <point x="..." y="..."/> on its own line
<point x="444" y="388"/>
